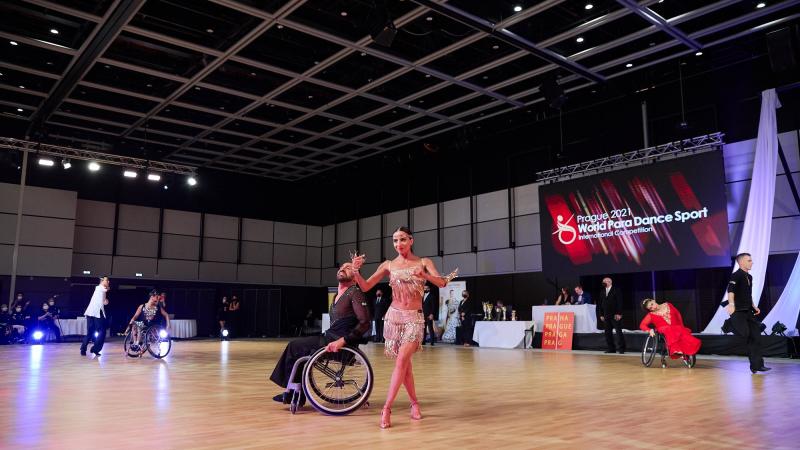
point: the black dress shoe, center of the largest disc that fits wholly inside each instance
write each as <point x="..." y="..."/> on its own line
<point x="622" y="352"/>
<point x="764" y="369"/>
<point x="609" y="351"/>
<point x="280" y="397"/>
<point x="83" y="352"/>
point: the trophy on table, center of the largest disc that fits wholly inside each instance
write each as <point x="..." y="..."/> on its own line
<point x="487" y="311"/>
<point x="503" y="316"/>
<point x="514" y="314"/>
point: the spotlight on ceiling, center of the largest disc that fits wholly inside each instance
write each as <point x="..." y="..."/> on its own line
<point x="698" y="54"/>
<point x="129" y="174"/>
<point x="94" y="167"/>
<point x="46" y="162"/>
<point x="579" y="40"/>
<point x="66" y="164"/>
<point x="517" y="8"/>
<point x="381" y="27"/>
<point x="191" y="181"/>
<point x="153" y="177"/>
<point x="588" y="6"/>
<point x="53" y="31"/>
<point x="761" y="5"/>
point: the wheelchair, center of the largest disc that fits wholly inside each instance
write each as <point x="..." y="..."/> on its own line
<point x="658" y="345"/>
<point x="334" y="383"/>
<point x="141" y="339"/>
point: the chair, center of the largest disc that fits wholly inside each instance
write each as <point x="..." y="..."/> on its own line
<point x="658" y="344"/>
<point x="334" y="383"/>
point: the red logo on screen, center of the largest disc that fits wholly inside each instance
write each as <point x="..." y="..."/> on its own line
<point x="566" y="232"/>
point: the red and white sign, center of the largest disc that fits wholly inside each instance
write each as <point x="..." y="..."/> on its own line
<point x="557" y="330"/>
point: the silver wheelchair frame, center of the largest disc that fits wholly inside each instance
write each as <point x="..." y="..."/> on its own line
<point x="658" y="344"/>
<point x="319" y="362"/>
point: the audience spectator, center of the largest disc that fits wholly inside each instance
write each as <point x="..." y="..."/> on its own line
<point x="47" y="322"/>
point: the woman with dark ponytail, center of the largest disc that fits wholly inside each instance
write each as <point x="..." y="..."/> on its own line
<point x="404" y="322"/>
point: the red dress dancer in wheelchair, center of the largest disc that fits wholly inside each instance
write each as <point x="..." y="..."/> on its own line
<point x="350" y="319"/>
<point x="404" y="323"/>
<point x="667" y="320"/>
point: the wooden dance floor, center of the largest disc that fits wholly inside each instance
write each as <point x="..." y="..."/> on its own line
<point x="211" y="394"/>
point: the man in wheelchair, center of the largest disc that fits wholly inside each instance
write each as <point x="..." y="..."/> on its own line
<point x="350" y="319"/>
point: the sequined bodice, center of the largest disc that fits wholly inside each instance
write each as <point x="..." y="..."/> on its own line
<point x="149" y="313"/>
<point x="405" y="284"/>
<point x="664" y="315"/>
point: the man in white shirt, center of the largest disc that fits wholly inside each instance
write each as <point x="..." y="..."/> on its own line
<point x="95" y="318"/>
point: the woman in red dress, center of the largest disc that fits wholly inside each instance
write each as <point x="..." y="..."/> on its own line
<point x="667" y="320"/>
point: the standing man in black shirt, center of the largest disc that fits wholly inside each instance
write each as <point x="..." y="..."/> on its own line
<point x="743" y="311"/>
<point x="430" y="309"/>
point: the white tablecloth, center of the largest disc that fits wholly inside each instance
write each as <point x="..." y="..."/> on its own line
<point x="183" y="328"/>
<point x="74" y="327"/>
<point x="585" y="317"/>
<point x="501" y="334"/>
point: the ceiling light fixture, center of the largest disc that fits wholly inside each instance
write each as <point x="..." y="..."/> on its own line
<point x="53" y="31"/>
<point x="129" y="174"/>
<point x="517" y="8"/>
<point x="46" y="162"/>
<point x="588" y="6"/>
<point x="20" y="110"/>
<point x="698" y="54"/>
<point x="153" y="177"/>
<point x="761" y="5"/>
<point x="94" y="167"/>
<point x="343" y="13"/>
<point x="66" y="164"/>
<point x="191" y="181"/>
<point x="629" y="65"/>
<point x="429" y="19"/>
<point x="579" y="40"/>
<point x="209" y="30"/>
<point x="13" y="42"/>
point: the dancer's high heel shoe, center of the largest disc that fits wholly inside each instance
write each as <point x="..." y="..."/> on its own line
<point x="386" y="417"/>
<point x="415" y="414"/>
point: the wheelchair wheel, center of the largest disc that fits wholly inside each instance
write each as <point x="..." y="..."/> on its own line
<point x="650" y="349"/>
<point x="689" y="360"/>
<point x="157" y="346"/>
<point x="337" y="383"/>
<point x="133" y="348"/>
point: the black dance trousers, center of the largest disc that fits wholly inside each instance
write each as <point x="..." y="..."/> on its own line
<point x="378" y="330"/>
<point x="609" y="324"/>
<point x="94" y="325"/>
<point x="295" y="349"/>
<point x="746" y="326"/>
<point x="429" y="331"/>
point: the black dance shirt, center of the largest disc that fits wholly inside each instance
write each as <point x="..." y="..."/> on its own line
<point x="741" y="285"/>
<point x="350" y="317"/>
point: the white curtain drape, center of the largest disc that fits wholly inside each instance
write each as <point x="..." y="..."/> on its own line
<point x="788" y="307"/>
<point x="758" y="217"/>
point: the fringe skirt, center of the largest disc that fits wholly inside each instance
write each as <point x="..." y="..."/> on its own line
<point x="402" y="326"/>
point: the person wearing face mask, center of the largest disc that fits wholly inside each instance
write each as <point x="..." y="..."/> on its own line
<point x="430" y="309"/>
<point x="381" y="305"/>
<point x="5" y="325"/>
<point x="47" y="321"/>
<point x="18" y="323"/>
<point x="611" y="309"/>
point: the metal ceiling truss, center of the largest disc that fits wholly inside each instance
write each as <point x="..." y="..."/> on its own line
<point x="361" y="46"/>
<point x="643" y="156"/>
<point x="70" y="153"/>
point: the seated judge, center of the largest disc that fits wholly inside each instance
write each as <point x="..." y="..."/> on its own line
<point x="580" y="297"/>
<point x="563" y="297"/>
<point x="350" y="319"/>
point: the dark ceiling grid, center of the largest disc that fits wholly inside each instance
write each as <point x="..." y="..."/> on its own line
<point x="324" y="141"/>
<point x="741" y="19"/>
<point x="101" y="36"/>
<point x="274" y="69"/>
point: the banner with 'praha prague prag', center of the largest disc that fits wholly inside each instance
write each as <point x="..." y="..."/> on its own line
<point x="557" y="332"/>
